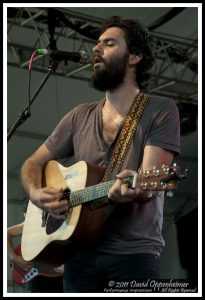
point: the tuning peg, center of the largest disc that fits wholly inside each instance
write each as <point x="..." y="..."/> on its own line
<point x="170" y="194"/>
<point x="154" y="184"/>
<point x="155" y="172"/>
<point x="146" y="173"/>
<point x="144" y="185"/>
<point x="164" y="185"/>
<point x="149" y="194"/>
<point x="165" y="169"/>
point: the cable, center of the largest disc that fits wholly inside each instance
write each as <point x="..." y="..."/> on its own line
<point x="29" y="80"/>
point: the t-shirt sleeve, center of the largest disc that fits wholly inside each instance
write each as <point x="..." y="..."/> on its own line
<point x="60" y="142"/>
<point x="165" y="130"/>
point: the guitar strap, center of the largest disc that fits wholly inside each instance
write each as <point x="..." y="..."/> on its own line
<point x="123" y="142"/>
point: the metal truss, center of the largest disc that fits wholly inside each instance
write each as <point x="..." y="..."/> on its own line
<point x="174" y="74"/>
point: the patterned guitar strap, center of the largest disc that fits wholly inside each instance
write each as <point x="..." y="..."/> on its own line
<point x="122" y="145"/>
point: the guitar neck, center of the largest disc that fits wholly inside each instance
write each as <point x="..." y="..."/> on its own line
<point x="90" y="193"/>
<point x="154" y="180"/>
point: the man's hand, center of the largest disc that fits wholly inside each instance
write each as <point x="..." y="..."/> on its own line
<point x="48" y="198"/>
<point x="21" y="263"/>
<point x="120" y="191"/>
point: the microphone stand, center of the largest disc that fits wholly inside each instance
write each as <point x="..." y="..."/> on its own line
<point x="25" y="114"/>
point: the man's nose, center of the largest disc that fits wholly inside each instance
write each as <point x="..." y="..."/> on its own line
<point x="97" y="49"/>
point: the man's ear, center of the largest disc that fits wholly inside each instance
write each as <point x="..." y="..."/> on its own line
<point x="135" y="59"/>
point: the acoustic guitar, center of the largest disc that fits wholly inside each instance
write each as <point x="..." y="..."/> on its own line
<point x="45" y="237"/>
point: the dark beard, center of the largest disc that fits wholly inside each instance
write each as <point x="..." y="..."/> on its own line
<point x="112" y="75"/>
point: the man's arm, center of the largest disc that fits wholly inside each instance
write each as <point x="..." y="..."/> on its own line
<point x="153" y="156"/>
<point x="46" y="198"/>
<point x="12" y="232"/>
<point x="31" y="172"/>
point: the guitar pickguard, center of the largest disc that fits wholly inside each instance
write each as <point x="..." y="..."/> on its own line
<point x="54" y="224"/>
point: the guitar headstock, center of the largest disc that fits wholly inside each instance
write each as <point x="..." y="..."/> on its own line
<point x="165" y="178"/>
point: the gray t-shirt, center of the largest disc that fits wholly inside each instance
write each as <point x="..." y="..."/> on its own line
<point x="130" y="228"/>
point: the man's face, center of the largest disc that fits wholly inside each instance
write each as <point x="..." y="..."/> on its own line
<point x="110" y="60"/>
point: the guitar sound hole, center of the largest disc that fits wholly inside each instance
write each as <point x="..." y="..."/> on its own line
<point x="53" y="224"/>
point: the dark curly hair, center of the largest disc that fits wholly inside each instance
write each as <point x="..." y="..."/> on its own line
<point x="138" y="41"/>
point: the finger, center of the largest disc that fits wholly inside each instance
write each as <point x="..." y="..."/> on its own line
<point x="126" y="173"/>
<point x="27" y="269"/>
<point x="58" y="216"/>
<point x="51" y="189"/>
<point x="129" y="193"/>
<point x="124" y="189"/>
<point x="57" y="206"/>
<point x="51" y="197"/>
<point x="115" y="190"/>
<point x="59" y="211"/>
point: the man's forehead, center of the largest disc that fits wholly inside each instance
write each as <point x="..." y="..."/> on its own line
<point x="112" y="33"/>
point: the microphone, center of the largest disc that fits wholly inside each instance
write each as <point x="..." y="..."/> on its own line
<point x="79" y="57"/>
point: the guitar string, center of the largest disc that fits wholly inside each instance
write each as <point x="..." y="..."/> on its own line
<point x="97" y="191"/>
<point x="90" y="193"/>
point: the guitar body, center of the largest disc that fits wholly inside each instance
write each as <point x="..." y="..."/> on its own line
<point x="21" y="277"/>
<point x="53" y="241"/>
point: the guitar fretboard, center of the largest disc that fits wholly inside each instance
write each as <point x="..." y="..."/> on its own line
<point x="148" y="181"/>
<point x="90" y="193"/>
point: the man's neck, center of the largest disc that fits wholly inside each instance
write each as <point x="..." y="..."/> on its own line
<point x="120" y="99"/>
